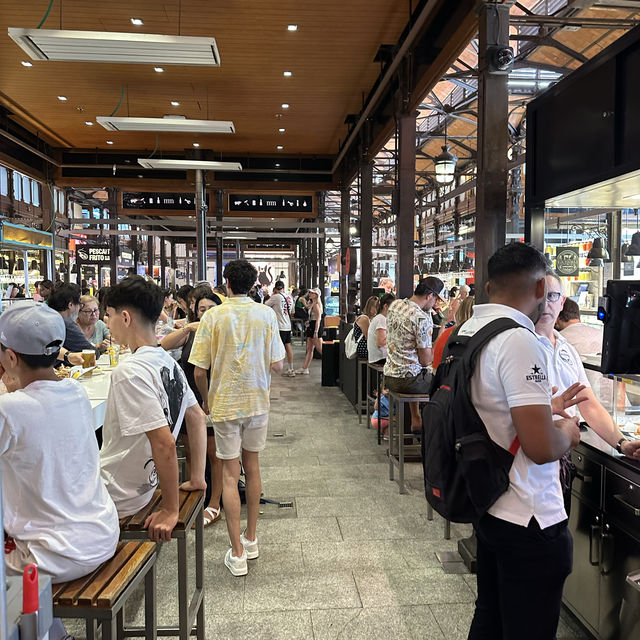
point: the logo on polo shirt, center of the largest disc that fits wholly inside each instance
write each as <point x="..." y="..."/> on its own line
<point x="564" y="356"/>
<point x="536" y="374"/>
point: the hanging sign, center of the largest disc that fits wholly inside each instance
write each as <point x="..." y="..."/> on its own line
<point x="97" y="254"/>
<point x="568" y="261"/>
<point x="270" y="203"/>
<point x="160" y="201"/>
<point x="629" y="268"/>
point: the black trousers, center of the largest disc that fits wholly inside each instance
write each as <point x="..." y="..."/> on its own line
<point x="521" y="573"/>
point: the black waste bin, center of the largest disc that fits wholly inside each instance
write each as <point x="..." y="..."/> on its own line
<point x="330" y="363"/>
<point x="630" y="611"/>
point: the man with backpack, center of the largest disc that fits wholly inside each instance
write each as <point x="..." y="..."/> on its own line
<point x="524" y="546"/>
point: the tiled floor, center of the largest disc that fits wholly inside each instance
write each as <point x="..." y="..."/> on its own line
<point x="352" y="559"/>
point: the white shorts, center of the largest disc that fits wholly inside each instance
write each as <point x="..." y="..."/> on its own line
<point x="244" y="433"/>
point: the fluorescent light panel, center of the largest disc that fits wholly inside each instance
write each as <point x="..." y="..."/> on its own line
<point x="186" y="165"/>
<point x="177" y="125"/>
<point x="108" y="46"/>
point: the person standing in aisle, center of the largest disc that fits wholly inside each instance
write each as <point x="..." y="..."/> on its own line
<point x="313" y="330"/>
<point x="409" y="347"/>
<point x="282" y="305"/>
<point x="524" y="546"/>
<point x="240" y="342"/>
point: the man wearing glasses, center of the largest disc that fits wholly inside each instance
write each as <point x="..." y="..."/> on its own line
<point x="65" y="299"/>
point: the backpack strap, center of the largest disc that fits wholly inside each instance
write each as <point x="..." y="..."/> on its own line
<point x="480" y="339"/>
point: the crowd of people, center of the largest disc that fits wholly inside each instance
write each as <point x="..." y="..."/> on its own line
<point x="207" y="382"/>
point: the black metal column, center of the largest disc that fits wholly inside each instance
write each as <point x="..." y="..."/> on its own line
<point x="220" y="237"/>
<point x="201" y="227"/>
<point x="163" y="263"/>
<point x="366" y="231"/>
<point x="315" y="279"/>
<point x="406" y="202"/>
<point x="534" y="224"/>
<point x="112" y="206"/>
<point x="491" y="196"/>
<point x="344" y="247"/>
<point x="151" y="255"/>
<point x="322" y="267"/>
<point x="614" y="240"/>
<point x="173" y="261"/>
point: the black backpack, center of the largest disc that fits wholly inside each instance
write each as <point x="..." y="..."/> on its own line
<point x="465" y="471"/>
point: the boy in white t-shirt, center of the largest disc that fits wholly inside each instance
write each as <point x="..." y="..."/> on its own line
<point x="148" y="398"/>
<point x="56" y="509"/>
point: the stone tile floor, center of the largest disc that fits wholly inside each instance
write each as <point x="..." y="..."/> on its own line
<point x="352" y="559"/>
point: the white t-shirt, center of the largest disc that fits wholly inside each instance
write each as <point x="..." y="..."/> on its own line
<point x="282" y="305"/>
<point x="55" y="504"/>
<point x="512" y="372"/>
<point x="378" y="322"/>
<point x="148" y="390"/>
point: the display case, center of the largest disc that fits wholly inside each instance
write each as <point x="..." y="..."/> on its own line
<point x="605" y="520"/>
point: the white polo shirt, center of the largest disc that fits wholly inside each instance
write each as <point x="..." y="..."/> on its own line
<point x="512" y="372"/>
<point x="564" y="365"/>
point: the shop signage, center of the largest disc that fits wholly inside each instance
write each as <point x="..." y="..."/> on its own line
<point x="98" y="254"/>
<point x="126" y="258"/>
<point x="629" y="268"/>
<point x="161" y="201"/>
<point x="270" y="203"/>
<point x="568" y="261"/>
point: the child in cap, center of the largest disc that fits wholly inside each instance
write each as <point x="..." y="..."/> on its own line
<point x="55" y="506"/>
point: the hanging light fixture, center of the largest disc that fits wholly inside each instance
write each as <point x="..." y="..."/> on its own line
<point x="625" y="257"/>
<point x="634" y="247"/>
<point x="446" y="162"/>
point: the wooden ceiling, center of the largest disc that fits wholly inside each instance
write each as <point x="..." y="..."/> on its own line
<point x="330" y="56"/>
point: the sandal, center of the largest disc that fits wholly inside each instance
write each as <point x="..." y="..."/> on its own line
<point x="211" y="516"/>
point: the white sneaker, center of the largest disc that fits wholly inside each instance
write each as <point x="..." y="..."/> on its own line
<point x="301" y="372"/>
<point x="289" y="373"/>
<point x="250" y="547"/>
<point x="237" y="566"/>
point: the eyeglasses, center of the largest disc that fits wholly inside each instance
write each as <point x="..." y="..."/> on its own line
<point x="553" y="296"/>
<point x="93" y="312"/>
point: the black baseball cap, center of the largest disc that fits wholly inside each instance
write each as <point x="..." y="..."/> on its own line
<point x="431" y="284"/>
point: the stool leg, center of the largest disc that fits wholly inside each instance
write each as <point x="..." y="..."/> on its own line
<point x="401" y="450"/>
<point x="183" y="599"/>
<point x="366" y="395"/>
<point x="150" y="606"/>
<point x="379" y="389"/>
<point x="200" y="570"/>
<point x="447" y="530"/>
<point x="392" y="435"/>
<point x="120" y="624"/>
<point x="429" y="512"/>
<point x="91" y="625"/>
<point x="359" y="403"/>
<point x="107" y="629"/>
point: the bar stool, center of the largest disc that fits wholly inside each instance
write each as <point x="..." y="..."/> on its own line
<point x="377" y="371"/>
<point x="397" y="402"/>
<point x="362" y="363"/>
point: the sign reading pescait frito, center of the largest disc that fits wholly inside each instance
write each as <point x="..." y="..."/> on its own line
<point x="98" y="254"/>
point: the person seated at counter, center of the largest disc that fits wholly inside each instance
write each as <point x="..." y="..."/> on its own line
<point x="45" y="289"/>
<point x="565" y="368"/>
<point x="56" y="509"/>
<point x="148" y="398"/>
<point x="93" y="329"/>
<point x="65" y="299"/>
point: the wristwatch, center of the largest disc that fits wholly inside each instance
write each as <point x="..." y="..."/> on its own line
<point x="619" y="445"/>
<point x="65" y="359"/>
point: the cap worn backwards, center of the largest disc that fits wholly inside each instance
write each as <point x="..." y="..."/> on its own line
<point x="32" y="328"/>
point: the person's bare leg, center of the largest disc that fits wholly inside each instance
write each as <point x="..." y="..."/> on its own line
<point x="309" y="355"/>
<point x="253" y="491"/>
<point x="289" y="351"/>
<point x="216" y="473"/>
<point x="416" y="418"/>
<point x="317" y="343"/>
<point x="231" y="497"/>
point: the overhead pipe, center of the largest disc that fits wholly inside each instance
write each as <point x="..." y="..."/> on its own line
<point x="371" y="103"/>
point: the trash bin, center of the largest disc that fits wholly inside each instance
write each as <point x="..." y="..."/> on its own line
<point x="630" y="611"/>
<point x="330" y="363"/>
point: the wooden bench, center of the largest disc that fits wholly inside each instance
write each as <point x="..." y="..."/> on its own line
<point x="100" y="596"/>
<point x="190" y="609"/>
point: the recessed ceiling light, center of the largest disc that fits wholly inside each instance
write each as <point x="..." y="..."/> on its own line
<point x="279" y="147"/>
<point x="89" y="123"/>
<point x="292" y="27"/>
<point x="109" y="141"/>
<point x="285" y="105"/>
<point x="62" y="98"/>
<point x="26" y="63"/>
<point x="158" y="69"/>
<point x="196" y="144"/>
<point x="175" y="103"/>
<point x="277" y="164"/>
<point x="137" y="22"/>
<point x="140" y="175"/>
<point x="287" y="74"/>
<point x="281" y="130"/>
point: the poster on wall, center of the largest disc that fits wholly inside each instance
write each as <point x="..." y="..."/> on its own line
<point x="568" y="261"/>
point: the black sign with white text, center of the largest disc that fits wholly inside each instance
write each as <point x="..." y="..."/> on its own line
<point x="162" y="201"/>
<point x="98" y="254"/>
<point x="270" y="203"/>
